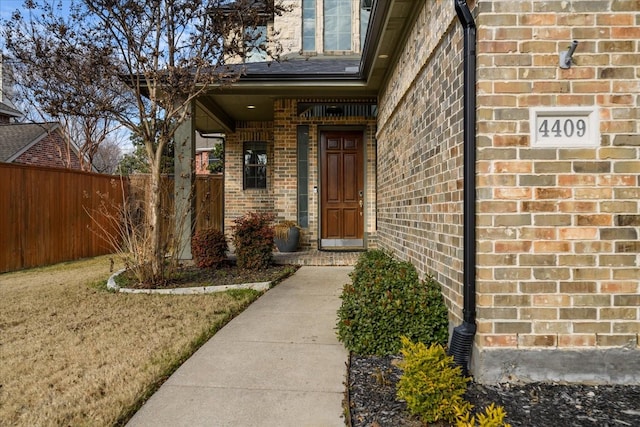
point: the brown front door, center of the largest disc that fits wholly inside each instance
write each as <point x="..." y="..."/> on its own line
<point x="342" y="189"/>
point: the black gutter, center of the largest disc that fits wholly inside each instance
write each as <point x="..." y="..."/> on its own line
<point x="301" y="77"/>
<point x="463" y="335"/>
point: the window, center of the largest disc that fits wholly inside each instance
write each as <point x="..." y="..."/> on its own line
<point x="256" y="43"/>
<point x="303" y="176"/>
<point x="364" y="24"/>
<point x="308" y="25"/>
<point x="337" y="24"/>
<point x="255" y="165"/>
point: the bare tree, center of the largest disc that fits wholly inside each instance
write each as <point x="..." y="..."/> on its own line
<point x="140" y="62"/>
<point x="83" y="131"/>
<point x="107" y="157"/>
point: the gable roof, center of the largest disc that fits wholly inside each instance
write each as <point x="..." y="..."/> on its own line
<point x="17" y="138"/>
<point x="7" y="110"/>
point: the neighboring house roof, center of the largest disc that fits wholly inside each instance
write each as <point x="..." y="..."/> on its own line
<point x="7" y="110"/>
<point x="17" y="138"/>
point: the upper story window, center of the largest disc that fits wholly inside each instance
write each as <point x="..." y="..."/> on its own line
<point x="365" y="13"/>
<point x="308" y="25"/>
<point x="255" y="165"/>
<point x="343" y="25"/>
<point x="337" y="24"/>
<point x="256" y="44"/>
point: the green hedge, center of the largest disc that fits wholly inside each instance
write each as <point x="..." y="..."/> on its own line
<point x="387" y="300"/>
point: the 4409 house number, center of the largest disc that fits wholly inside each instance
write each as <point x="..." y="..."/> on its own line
<point x="561" y="127"/>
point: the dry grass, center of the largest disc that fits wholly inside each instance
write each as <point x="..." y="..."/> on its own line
<point x="74" y="354"/>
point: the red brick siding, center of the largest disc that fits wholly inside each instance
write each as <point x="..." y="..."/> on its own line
<point x="50" y="151"/>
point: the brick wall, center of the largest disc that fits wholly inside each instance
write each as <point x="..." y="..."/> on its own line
<point x="237" y="200"/>
<point x="202" y="162"/>
<point x="558" y="228"/>
<point x="50" y="151"/>
<point x="420" y="153"/>
<point x="280" y="196"/>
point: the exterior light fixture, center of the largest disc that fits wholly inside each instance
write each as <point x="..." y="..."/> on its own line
<point x="251" y="107"/>
<point x="566" y="57"/>
<point x="334" y="110"/>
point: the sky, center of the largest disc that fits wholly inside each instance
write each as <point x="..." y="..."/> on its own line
<point x="8" y="6"/>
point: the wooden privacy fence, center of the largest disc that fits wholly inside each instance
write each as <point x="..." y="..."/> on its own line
<point x="208" y="202"/>
<point x="46" y="214"/>
<point x="50" y="215"/>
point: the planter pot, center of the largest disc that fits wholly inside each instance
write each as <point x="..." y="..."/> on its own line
<point x="290" y="244"/>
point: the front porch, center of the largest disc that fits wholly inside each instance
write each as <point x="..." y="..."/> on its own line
<point x="312" y="162"/>
<point x="315" y="257"/>
<point x="299" y="143"/>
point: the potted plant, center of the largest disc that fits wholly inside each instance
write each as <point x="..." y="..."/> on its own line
<point x="287" y="236"/>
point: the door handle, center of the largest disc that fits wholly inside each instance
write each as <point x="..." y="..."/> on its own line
<point x="361" y="203"/>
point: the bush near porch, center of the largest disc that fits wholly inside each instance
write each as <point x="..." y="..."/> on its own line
<point x="387" y="300"/>
<point x="253" y="240"/>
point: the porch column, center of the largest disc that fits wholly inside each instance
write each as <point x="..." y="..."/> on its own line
<point x="184" y="180"/>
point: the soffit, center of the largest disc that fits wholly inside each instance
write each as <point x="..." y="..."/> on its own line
<point x="316" y="77"/>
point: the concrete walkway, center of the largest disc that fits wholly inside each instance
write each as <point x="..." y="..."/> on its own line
<point x="276" y="364"/>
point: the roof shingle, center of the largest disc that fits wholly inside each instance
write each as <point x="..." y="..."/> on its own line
<point x="16" y="137"/>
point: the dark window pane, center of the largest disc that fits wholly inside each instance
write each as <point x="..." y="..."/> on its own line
<point x="303" y="176"/>
<point x="364" y="25"/>
<point x="255" y="165"/>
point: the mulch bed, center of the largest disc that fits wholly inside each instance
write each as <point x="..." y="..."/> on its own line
<point x="372" y="401"/>
<point x="227" y="274"/>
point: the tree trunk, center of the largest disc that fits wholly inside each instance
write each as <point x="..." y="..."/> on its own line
<point x="154" y="218"/>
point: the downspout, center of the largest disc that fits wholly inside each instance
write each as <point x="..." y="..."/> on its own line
<point x="463" y="335"/>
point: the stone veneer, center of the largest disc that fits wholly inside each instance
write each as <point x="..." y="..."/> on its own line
<point x="558" y="249"/>
<point x="288" y="28"/>
<point x="280" y="196"/>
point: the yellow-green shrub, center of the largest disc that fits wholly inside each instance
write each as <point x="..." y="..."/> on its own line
<point x="493" y="417"/>
<point x="431" y="384"/>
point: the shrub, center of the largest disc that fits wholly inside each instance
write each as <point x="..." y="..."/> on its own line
<point x="431" y="384"/>
<point x="253" y="240"/>
<point x="209" y="248"/>
<point x="493" y="417"/>
<point x="386" y="300"/>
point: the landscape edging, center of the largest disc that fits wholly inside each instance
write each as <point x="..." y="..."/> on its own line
<point x="112" y="285"/>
